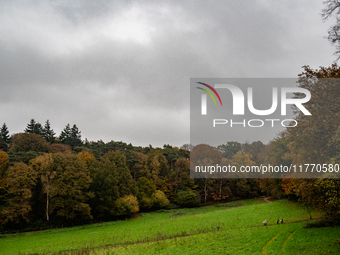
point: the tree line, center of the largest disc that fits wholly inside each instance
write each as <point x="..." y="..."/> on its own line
<point x="64" y="179"/>
<point x="44" y="178"/>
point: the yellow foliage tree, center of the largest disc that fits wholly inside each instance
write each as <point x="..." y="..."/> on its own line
<point x="4" y="160"/>
<point x="21" y="180"/>
<point x="127" y="205"/>
<point x="44" y="166"/>
<point x="87" y="157"/>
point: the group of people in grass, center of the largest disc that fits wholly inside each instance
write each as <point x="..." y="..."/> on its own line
<point x="264" y="223"/>
<point x="277" y="222"/>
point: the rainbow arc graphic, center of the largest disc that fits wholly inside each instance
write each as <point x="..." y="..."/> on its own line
<point x="209" y="93"/>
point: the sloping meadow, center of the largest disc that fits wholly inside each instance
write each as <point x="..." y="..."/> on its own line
<point x="181" y="231"/>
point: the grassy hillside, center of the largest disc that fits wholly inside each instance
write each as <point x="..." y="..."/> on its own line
<point x="190" y="231"/>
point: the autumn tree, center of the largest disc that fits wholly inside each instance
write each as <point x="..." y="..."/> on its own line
<point x="126" y="205"/>
<point x="71" y="181"/>
<point x="146" y="188"/>
<point x="334" y="142"/>
<point x="105" y="188"/>
<point x="159" y="200"/>
<point x="187" y="198"/>
<point x="112" y="180"/>
<point x="60" y="148"/>
<point x="256" y="149"/>
<point x="220" y="190"/>
<point x="43" y="165"/>
<point x="242" y="158"/>
<point x="278" y="152"/>
<point x="204" y="151"/>
<point x="204" y="155"/>
<point x="140" y="166"/>
<point x="333" y="9"/>
<point x="157" y="155"/>
<point x="148" y="196"/>
<point x="328" y="198"/>
<point x="187" y="147"/>
<point x="87" y="157"/>
<point x="229" y="149"/>
<point x="272" y="187"/>
<point x="29" y="142"/>
<point x="181" y="175"/>
<point x="243" y="186"/>
<point x="21" y="180"/>
<point x="126" y="184"/>
<point x="154" y="167"/>
<point x="4" y="160"/>
<point x="309" y="140"/>
<point x="305" y="192"/>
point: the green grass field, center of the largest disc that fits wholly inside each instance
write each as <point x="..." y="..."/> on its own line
<point x="190" y="231"/>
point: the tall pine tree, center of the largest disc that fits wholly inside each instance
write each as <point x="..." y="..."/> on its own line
<point x="76" y="136"/>
<point x="4" y="137"/>
<point x="71" y="136"/>
<point x="65" y="135"/>
<point x="34" y="127"/>
<point x="48" y="133"/>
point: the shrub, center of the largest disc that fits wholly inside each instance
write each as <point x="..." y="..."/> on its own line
<point x="126" y="205"/>
<point x="172" y="206"/>
<point x="145" y="203"/>
<point x="329" y="222"/>
<point x="187" y="198"/>
<point x="159" y="200"/>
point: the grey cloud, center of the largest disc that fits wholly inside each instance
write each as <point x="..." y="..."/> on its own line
<point x="121" y="69"/>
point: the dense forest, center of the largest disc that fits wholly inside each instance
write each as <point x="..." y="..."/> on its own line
<point x="48" y="180"/>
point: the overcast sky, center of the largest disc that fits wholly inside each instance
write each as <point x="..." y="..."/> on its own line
<point x="121" y="70"/>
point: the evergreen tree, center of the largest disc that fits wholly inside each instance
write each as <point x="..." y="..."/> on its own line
<point x="34" y="127"/>
<point x="30" y="126"/>
<point x="4" y="133"/>
<point x="76" y="136"/>
<point x="48" y="133"/>
<point x="38" y="129"/>
<point x="65" y="135"/>
<point x="4" y="137"/>
<point x="71" y="136"/>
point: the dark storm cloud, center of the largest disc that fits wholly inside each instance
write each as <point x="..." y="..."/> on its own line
<point x="120" y="69"/>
